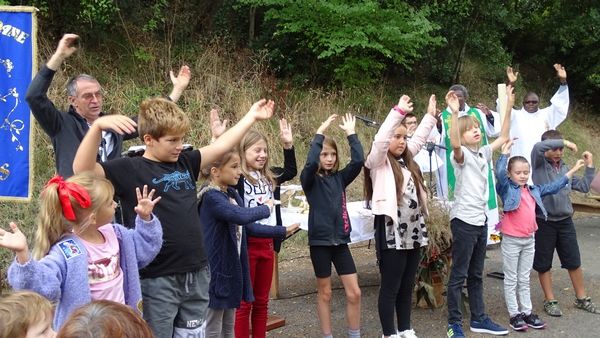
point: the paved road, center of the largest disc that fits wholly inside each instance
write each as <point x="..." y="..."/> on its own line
<point x="297" y="285"/>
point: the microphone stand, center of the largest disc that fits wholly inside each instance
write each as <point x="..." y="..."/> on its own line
<point x="430" y="146"/>
<point x="368" y="121"/>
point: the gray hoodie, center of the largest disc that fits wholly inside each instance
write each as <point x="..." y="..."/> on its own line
<point x="544" y="171"/>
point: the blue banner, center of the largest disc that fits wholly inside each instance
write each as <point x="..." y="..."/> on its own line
<point x="17" y="62"/>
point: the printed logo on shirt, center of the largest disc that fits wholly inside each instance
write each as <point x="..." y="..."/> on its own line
<point x="104" y="269"/>
<point x="70" y="249"/>
<point x="174" y="179"/>
<point x="258" y="193"/>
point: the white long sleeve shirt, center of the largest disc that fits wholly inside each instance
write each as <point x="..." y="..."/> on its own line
<point x="529" y="127"/>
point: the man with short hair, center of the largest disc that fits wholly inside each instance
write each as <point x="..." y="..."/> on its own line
<point x="67" y="129"/>
<point x="529" y="123"/>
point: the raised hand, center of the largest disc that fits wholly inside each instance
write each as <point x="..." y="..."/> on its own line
<point x="217" y="127"/>
<point x="182" y="79"/>
<point x="262" y="109"/>
<point x="16" y="241"/>
<point x="452" y="102"/>
<point x="326" y="124"/>
<point x="291" y="229"/>
<point x="348" y="123"/>
<point x="512" y="76"/>
<point x="510" y="95"/>
<point x="120" y="124"/>
<point x="588" y="158"/>
<point x="285" y="134"/>
<point x="579" y="164"/>
<point x="405" y="104"/>
<point x="67" y="45"/>
<point x="484" y="109"/>
<point x="145" y="203"/>
<point x="560" y="72"/>
<point x="572" y="146"/>
<point x="432" y="106"/>
<point x="507" y="146"/>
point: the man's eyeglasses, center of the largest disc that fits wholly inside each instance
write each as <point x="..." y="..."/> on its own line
<point x="90" y="96"/>
<point x="530" y="102"/>
<point x="557" y="149"/>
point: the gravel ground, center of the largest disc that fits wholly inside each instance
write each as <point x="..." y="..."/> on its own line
<point x="297" y="302"/>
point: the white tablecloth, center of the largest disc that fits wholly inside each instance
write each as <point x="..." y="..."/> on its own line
<point x="361" y="220"/>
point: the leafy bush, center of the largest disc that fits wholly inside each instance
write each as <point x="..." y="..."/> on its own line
<point x="353" y="42"/>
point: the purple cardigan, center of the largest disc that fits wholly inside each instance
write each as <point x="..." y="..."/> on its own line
<point x="62" y="275"/>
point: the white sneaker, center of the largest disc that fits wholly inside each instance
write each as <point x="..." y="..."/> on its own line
<point x="392" y="336"/>
<point x="407" y="334"/>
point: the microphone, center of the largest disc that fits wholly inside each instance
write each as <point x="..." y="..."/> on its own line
<point x="430" y="146"/>
<point x="367" y="121"/>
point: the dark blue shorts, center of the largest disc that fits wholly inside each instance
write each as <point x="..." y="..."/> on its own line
<point x="559" y="235"/>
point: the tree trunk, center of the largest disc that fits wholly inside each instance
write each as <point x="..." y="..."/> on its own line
<point x="252" y="24"/>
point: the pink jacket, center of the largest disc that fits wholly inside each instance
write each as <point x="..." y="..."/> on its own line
<point x="384" y="200"/>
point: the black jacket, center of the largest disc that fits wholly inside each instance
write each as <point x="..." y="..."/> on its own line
<point x="328" y="219"/>
<point x="65" y="129"/>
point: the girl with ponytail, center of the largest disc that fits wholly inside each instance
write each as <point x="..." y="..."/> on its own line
<point x="79" y="255"/>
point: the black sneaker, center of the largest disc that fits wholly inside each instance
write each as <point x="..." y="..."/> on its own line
<point x="534" y="321"/>
<point x="517" y="322"/>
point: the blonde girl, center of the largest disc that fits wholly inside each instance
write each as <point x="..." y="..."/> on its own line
<point x="328" y="221"/>
<point x="79" y="255"/>
<point x="394" y="190"/>
<point x="258" y="183"/>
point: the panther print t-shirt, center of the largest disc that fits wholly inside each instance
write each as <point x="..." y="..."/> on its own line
<point x="411" y="224"/>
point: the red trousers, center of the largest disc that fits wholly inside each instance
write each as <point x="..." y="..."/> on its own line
<point x="261" y="257"/>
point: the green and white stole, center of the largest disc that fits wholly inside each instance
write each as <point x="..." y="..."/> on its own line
<point x="447" y="121"/>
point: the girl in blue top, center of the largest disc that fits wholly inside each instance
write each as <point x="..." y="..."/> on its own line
<point x="518" y="227"/>
<point x="226" y="224"/>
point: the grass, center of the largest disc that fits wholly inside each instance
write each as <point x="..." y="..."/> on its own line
<point x="231" y="81"/>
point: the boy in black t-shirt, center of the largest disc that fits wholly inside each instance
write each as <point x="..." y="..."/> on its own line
<point x="175" y="284"/>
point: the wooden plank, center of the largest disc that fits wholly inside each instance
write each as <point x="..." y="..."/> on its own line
<point x="586" y="207"/>
<point x="593" y="196"/>
<point x="274" y="321"/>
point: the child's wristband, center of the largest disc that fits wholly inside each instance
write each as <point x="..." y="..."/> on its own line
<point x="399" y="110"/>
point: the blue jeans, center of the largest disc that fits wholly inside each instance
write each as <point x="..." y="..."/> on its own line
<point x="468" y="255"/>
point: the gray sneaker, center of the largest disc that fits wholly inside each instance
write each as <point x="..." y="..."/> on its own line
<point x="551" y="308"/>
<point x="587" y="305"/>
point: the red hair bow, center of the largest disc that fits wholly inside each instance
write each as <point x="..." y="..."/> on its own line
<point x="65" y="191"/>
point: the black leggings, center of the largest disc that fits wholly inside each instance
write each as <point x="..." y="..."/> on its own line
<point x="398" y="269"/>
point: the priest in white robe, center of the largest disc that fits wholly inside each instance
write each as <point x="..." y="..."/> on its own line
<point x="530" y="122"/>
